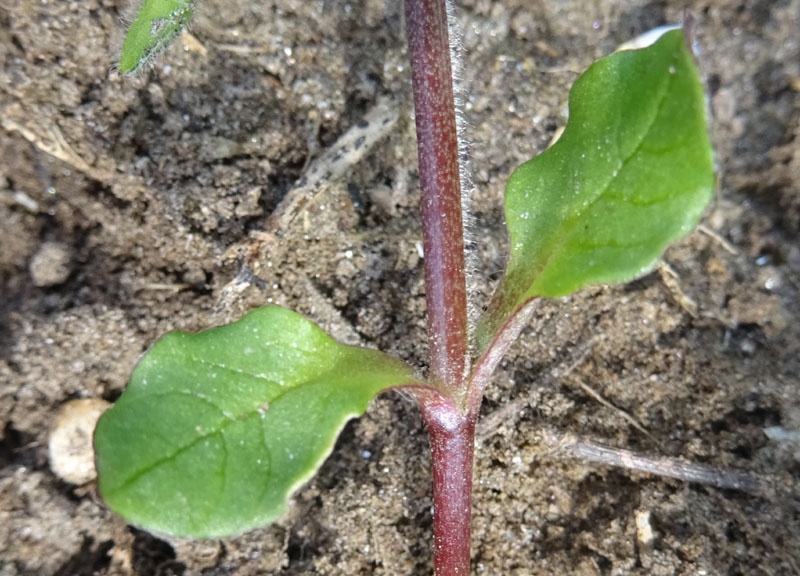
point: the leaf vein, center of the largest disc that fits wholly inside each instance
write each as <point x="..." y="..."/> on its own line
<point x="570" y="223"/>
<point x="227" y="421"/>
<point x="239" y="371"/>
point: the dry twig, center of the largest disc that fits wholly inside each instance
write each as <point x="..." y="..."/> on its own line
<point x="56" y="146"/>
<point x="588" y="451"/>
<point x="334" y="163"/>
<point x="671" y="280"/>
<point x="574" y="446"/>
<point x="717" y="238"/>
<point x="592" y="393"/>
<point x="489" y="424"/>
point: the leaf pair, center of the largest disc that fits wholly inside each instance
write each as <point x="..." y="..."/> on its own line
<point x="217" y="429"/>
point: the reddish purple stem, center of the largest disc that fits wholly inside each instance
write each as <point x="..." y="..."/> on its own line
<point x="452" y="446"/>
<point x="443" y="234"/>
<point x="451" y="428"/>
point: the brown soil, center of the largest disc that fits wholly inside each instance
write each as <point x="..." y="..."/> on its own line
<point x="118" y="198"/>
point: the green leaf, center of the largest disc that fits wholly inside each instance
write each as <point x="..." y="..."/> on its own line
<point x="217" y="429"/>
<point x="632" y="172"/>
<point x="157" y="24"/>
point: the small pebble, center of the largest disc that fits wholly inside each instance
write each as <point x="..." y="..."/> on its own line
<point x="381" y="197"/>
<point x="50" y="265"/>
<point x="644" y="530"/>
<point x="70" y="444"/>
<point x="194" y="274"/>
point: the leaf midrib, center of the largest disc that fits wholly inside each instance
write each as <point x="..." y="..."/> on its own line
<point x="556" y="246"/>
<point x="220" y="427"/>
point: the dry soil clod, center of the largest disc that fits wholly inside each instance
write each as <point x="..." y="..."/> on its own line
<point x="50" y="266"/>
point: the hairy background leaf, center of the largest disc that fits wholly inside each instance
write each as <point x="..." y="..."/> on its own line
<point x="217" y="429"/>
<point x="157" y="24"/>
<point x="632" y="172"/>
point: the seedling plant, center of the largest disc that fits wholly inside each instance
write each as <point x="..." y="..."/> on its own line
<point x="216" y="430"/>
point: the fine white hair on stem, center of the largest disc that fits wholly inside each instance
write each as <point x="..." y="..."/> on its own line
<point x="465" y="173"/>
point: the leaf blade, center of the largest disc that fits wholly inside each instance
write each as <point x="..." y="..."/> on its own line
<point x="632" y="172"/>
<point x="217" y="429"/>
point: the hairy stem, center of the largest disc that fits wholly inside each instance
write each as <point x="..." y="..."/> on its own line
<point x="452" y="432"/>
<point x="442" y="227"/>
<point x="452" y="446"/>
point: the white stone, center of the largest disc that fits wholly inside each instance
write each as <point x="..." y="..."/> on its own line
<point x="71" y="446"/>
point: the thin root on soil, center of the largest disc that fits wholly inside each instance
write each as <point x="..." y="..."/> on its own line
<point x="577" y="447"/>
